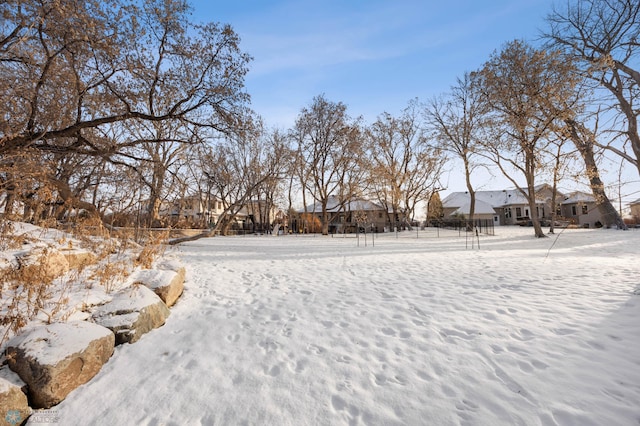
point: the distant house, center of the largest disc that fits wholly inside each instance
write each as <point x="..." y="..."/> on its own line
<point x="580" y="208"/>
<point x="351" y="216"/>
<point x="634" y="211"/>
<point x="510" y="206"/>
<point x="458" y="205"/>
<point x="205" y="210"/>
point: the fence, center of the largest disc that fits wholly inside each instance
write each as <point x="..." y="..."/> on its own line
<point x="483" y="226"/>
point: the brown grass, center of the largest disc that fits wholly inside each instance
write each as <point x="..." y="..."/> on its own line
<point x="28" y="289"/>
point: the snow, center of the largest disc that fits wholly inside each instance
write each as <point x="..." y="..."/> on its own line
<point x="52" y="343"/>
<point x="5" y="386"/>
<point x="411" y="328"/>
<point x="125" y="306"/>
<point x="154" y="278"/>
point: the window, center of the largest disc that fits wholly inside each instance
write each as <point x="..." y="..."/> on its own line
<point x="518" y="211"/>
<point x="585" y="209"/>
<point x="574" y="211"/>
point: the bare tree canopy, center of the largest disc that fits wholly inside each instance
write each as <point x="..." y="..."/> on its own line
<point x="70" y="69"/>
<point x="403" y="167"/>
<point x="328" y="146"/>
<point x="604" y="38"/>
<point x="526" y="91"/>
<point x="456" y="121"/>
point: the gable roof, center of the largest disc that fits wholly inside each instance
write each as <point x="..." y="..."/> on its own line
<point x="480" y="208"/>
<point x="578" y="197"/>
<point x="334" y="205"/>
<point x="496" y="199"/>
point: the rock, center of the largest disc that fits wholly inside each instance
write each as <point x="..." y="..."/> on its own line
<point x="166" y="284"/>
<point x="15" y="407"/>
<point x="171" y="264"/>
<point x="47" y="262"/>
<point x="78" y="259"/>
<point x="131" y="313"/>
<point x="55" y="359"/>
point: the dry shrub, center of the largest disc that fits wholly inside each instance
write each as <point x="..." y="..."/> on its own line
<point x="310" y="223"/>
<point x="29" y="288"/>
<point x="110" y="274"/>
<point x="26" y="290"/>
<point x="8" y="239"/>
<point x="154" y="246"/>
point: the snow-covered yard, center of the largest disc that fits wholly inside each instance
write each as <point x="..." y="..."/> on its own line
<point x="312" y="330"/>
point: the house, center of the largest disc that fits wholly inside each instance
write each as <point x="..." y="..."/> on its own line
<point x="205" y="210"/>
<point x="504" y="207"/>
<point x="511" y="207"/>
<point x="634" y="213"/>
<point x="351" y="216"/>
<point x="458" y="204"/>
<point x="580" y="208"/>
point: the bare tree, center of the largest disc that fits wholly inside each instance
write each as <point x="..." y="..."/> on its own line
<point x="559" y="165"/>
<point x="456" y="121"/>
<point x="526" y="90"/>
<point x="279" y="159"/>
<point x="328" y="146"/>
<point x="73" y="66"/>
<point x="75" y="71"/>
<point x="603" y="37"/>
<point x="158" y="157"/>
<point x="242" y="167"/>
<point x="403" y="168"/>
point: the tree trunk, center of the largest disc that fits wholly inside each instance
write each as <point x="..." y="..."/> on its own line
<point x="533" y="214"/>
<point x="554" y="194"/>
<point x="583" y="140"/>
<point x="325" y="221"/>
<point x="472" y="193"/>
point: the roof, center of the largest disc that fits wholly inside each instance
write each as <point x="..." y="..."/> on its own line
<point x="334" y="205"/>
<point x="496" y="199"/>
<point x="480" y="208"/>
<point x="578" y="197"/>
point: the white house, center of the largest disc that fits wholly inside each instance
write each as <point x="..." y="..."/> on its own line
<point x="510" y="206"/>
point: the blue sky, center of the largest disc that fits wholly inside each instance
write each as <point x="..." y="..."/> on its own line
<point x="375" y="55"/>
<point x="372" y="55"/>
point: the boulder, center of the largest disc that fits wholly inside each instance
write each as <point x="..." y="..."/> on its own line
<point x="55" y="359"/>
<point x="15" y="407"/>
<point x="49" y="262"/>
<point x="131" y="313"/>
<point x="165" y="283"/>
<point x="79" y="259"/>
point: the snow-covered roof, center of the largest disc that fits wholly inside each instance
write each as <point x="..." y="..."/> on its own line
<point x="578" y="197"/>
<point x="334" y="205"/>
<point x="494" y="199"/>
<point x="480" y="208"/>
